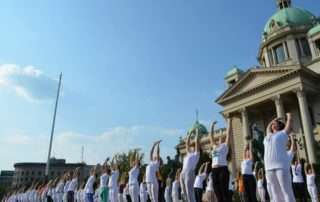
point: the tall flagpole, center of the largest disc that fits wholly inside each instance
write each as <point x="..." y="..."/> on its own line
<point x="53" y="127"/>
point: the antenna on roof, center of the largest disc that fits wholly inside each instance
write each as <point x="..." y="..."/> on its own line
<point x="197" y="115"/>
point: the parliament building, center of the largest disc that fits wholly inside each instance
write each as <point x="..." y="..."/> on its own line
<point x="287" y="80"/>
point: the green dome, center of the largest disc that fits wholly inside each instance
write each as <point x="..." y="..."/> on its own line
<point x="197" y="125"/>
<point x="233" y="71"/>
<point x="289" y="16"/>
<point x="314" y="30"/>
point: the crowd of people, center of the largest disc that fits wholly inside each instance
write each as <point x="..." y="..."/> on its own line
<point x="282" y="177"/>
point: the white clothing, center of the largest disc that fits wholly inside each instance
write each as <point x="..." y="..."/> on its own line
<point x="151" y="171"/>
<point x="209" y="183"/>
<point x="104" y="180"/>
<point x="133" y="175"/>
<point x="89" y="185"/>
<point x="134" y="192"/>
<point x="219" y="155"/>
<point x="275" y="152"/>
<point x="113" y="181"/>
<point x="297" y="173"/>
<point x="198" y="182"/>
<point x="113" y="194"/>
<point x="187" y="182"/>
<point x="167" y="194"/>
<point x="143" y="192"/>
<point x="246" y="167"/>
<point x="73" y="184"/>
<point x="175" y="191"/>
<point x="279" y="181"/>
<point x="190" y="162"/>
<point x="153" y="190"/>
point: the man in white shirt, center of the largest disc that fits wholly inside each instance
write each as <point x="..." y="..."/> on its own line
<point x="151" y="173"/>
<point x="190" y="162"/>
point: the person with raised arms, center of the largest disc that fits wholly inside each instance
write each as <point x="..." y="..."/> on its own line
<point x="151" y="173"/>
<point x="89" y="190"/>
<point x="190" y="162"/>
<point x="200" y="178"/>
<point x="249" y="180"/>
<point x="73" y="185"/>
<point x="220" y="172"/>
<point x="113" y="182"/>
<point x="133" y="177"/>
<point x="276" y="159"/>
<point x="311" y="183"/>
<point x="104" y="178"/>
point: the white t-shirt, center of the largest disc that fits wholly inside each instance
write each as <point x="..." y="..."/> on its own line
<point x="143" y="190"/>
<point x="104" y="180"/>
<point x="89" y="185"/>
<point x="151" y="171"/>
<point x="297" y="173"/>
<point x="73" y="184"/>
<point x="219" y="155"/>
<point x="66" y="186"/>
<point x="190" y="162"/>
<point x="113" y="181"/>
<point x="311" y="180"/>
<point x="198" y="182"/>
<point x="133" y="175"/>
<point x="246" y="167"/>
<point x="260" y="183"/>
<point x="175" y="188"/>
<point x="59" y="187"/>
<point x="275" y="151"/>
<point x="210" y="183"/>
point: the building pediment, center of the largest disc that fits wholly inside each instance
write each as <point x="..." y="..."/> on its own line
<point x="253" y="79"/>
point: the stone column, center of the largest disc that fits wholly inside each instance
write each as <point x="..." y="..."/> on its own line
<point x="279" y="107"/>
<point x="307" y="126"/>
<point x="245" y="124"/>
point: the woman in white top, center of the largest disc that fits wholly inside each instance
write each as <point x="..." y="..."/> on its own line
<point x="299" y="188"/>
<point x="190" y="162"/>
<point x="113" y="182"/>
<point x="104" y="179"/>
<point x="59" y="189"/>
<point x="249" y="180"/>
<point x="88" y="189"/>
<point x="133" y="177"/>
<point x="220" y="172"/>
<point x="143" y="191"/>
<point x="198" y="183"/>
<point x="260" y="187"/>
<point x="311" y="183"/>
<point x="66" y="185"/>
<point x="151" y="173"/>
<point x="176" y="187"/>
<point x="168" y="190"/>
<point x="276" y="160"/>
<point x="73" y="185"/>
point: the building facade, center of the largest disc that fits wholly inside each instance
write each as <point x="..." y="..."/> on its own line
<point x="287" y="80"/>
<point x="27" y="173"/>
<point x="6" y="178"/>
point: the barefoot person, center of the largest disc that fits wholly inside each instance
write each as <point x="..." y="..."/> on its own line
<point x="133" y="177"/>
<point x="276" y="159"/>
<point x="220" y="172"/>
<point x="190" y="162"/>
<point x="151" y="173"/>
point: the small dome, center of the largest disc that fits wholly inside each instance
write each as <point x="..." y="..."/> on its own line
<point x="197" y="125"/>
<point x="314" y="30"/>
<point x="234" y="70"/>
<point x="289" y="16"/>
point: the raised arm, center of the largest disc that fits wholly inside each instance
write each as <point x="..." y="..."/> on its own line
<point x="201" y="169"/>
<point x="197" y="144"/>
<point x="158" y="151"/>
<point x="293" y="147"/>
<point x="229" y="131"/>
<point x="269" y="130"/>
<point x="212" y="142"/>
<point x="152" y="151"/>
<point x="288" y="127"/>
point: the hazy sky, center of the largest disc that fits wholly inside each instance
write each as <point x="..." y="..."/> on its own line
<point x="134" y="71"/>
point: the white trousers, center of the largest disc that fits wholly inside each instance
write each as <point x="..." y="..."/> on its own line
<point x="153" y="190"/>
<point x="280" y="184"/>
<point x="113" y="194"/>
<point x="143" y="197"/>
<point x="313" y="192"/>
<point x="187" y="182"/>
<point x="262" y="194"/>
<point x="134" y="192"/>
<point x="175" y="197"/>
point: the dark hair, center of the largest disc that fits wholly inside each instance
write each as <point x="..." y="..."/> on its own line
<point x="281" y="125"/>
